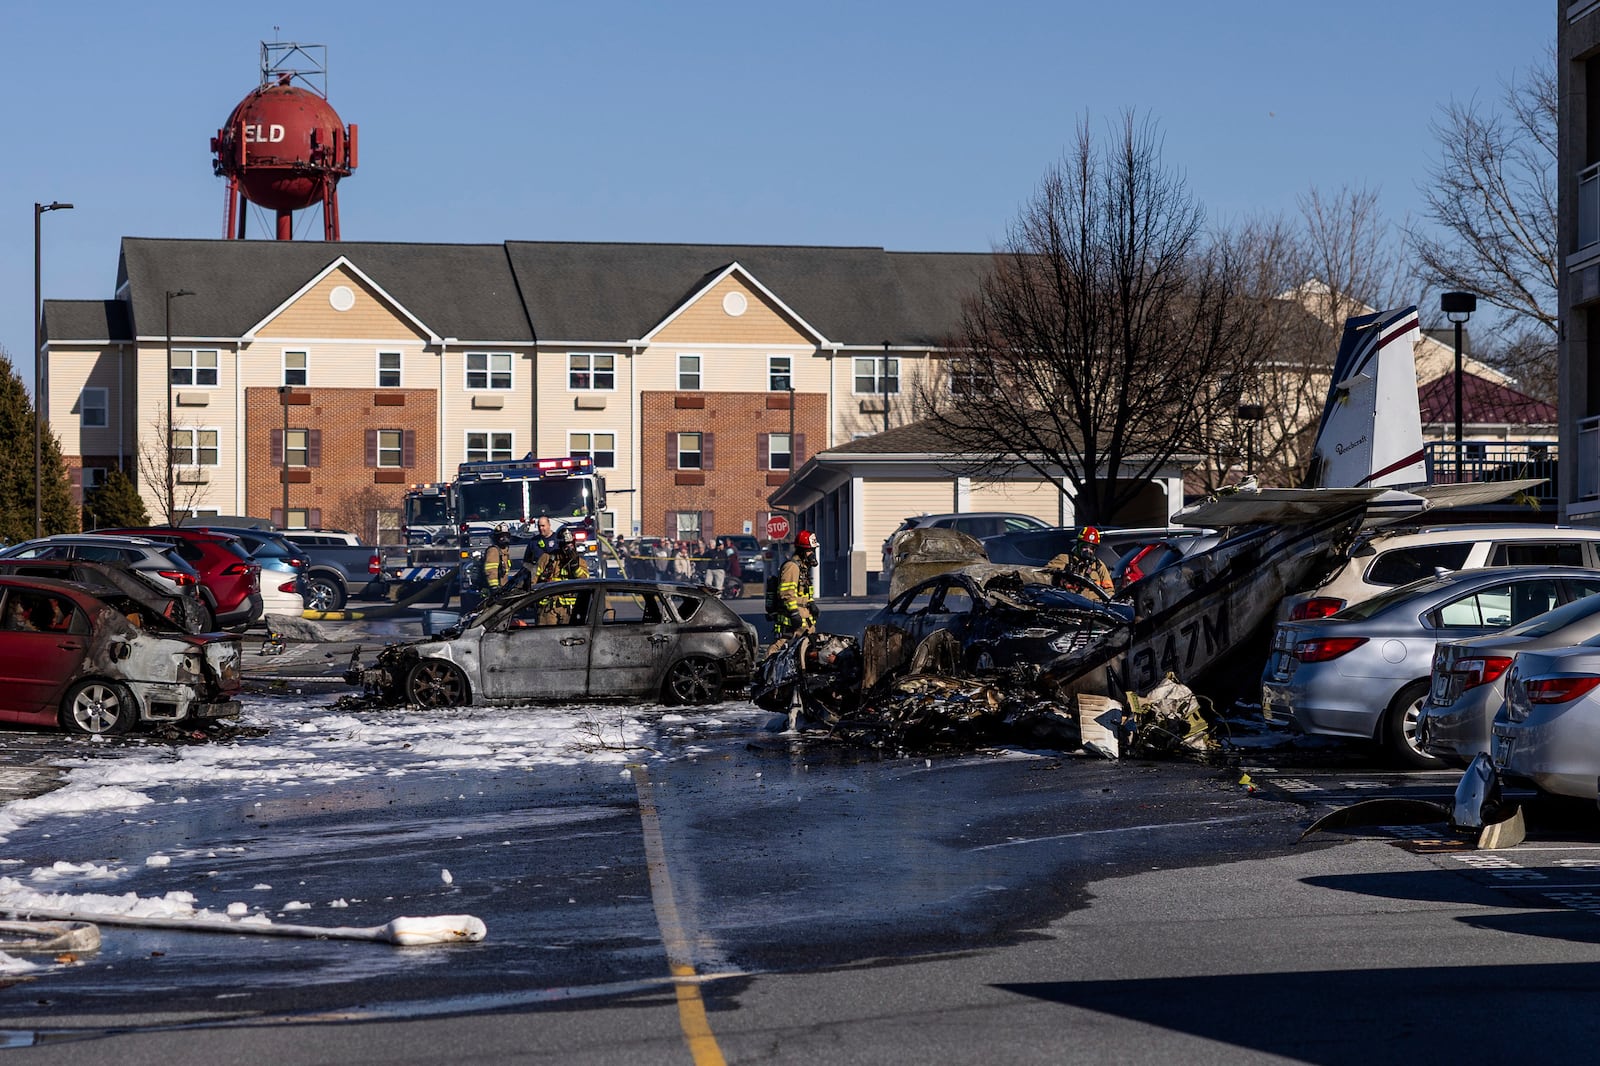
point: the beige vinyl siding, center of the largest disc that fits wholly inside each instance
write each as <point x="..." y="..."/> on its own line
<point x="340" y="365"/>
<point x="313" y="316"/>
<point x="889" y="501"/>
<point x="706" y="322"/>
<point x="68" y="374"/>
<point x="730" y="370"/>
<point x="513" y="416"/>
<point x="1036" y="497"/>
<point x="849" y="421"/>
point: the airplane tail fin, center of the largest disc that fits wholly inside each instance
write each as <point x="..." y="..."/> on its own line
<point x="1371" y="429"/>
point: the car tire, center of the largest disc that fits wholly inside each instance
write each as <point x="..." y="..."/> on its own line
<point x="323" y="593"/>
<point x="1398" y="730"/>
<point x="98" y="708"/>
<point x="434" y="683"/>
<point x="692" y="682"/>
<point x="204" y="617"/>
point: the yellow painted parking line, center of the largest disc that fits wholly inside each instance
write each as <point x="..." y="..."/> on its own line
<point x="680" y="957"/>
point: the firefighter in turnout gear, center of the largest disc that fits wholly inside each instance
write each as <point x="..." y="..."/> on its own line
<point x="497" y="560"/>
<point x="1083" y="564"/>
<point x="790" y="605"/>
<point x="563" y="564"/>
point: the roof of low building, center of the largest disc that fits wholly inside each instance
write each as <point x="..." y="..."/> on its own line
<point x="1483" y="402"/>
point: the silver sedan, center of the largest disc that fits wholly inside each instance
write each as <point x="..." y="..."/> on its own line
<point x="1364" y="672"/>
<point x="1548" y="730"/>
<point x="1468" y="683"/>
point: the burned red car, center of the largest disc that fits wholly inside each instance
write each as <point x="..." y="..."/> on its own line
<point x="93" y="660"/>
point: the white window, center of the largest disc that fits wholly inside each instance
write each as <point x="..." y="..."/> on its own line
<point x="388" y="370"/>
<point x="608" y="524"/>
<point x="779" y="378"/>
<point x="295" y="368"/>
<point x="601" y="447"/>
<point x="591" y="372"/>
<point x="779" y="452"/>
<point x="390" y="445"/>
<point x="689" y="451"/>
<point x="488" y="370"/>
<point x="485" y="446"/>
<point x="297" y="518"/>
<point x="877" y="374"/>
<point x="688" y="525"/>
<point x="194" y="366"/>
<point x="297" y="447"/>
<point x="195" y="447"/>
<point x="92" y="409"/>
<point x="689" y="373"/>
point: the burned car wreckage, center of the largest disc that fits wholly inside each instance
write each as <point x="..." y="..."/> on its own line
<point x="588" y="638"/>
<point x="93" y="659"/>
<point x="983" y="653"/>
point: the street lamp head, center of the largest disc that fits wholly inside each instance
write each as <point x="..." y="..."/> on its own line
<point x="53" y="205"/>
<point x="1458" y="306"/>
<point x="174" y="293"/>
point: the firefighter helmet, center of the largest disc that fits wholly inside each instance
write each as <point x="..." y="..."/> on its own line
<point x="1089" y="535"/>
<point x="807" y="541"/>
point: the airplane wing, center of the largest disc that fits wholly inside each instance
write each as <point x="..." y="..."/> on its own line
<point x="1278" y="506"/>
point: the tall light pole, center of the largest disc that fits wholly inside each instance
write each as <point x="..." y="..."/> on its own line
<point x="38" y="371"/>
<point x="1458" y="307"/>
<point x="172" y="502"/>
<point x="283" y="398"/>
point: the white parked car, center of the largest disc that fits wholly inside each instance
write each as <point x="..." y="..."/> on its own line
<point x="1387" y="558"/>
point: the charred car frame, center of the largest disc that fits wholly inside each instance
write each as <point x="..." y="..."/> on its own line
<point x="591" y="638"/>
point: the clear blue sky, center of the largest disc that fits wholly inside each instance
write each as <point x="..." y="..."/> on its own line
<point x="912" y="126"/>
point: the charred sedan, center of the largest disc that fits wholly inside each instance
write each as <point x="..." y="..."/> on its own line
<point x="594" y="638"/>
<point x="93" y="660"/>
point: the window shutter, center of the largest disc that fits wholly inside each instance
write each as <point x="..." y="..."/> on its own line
<point x="706" y="520"/>
<point x="372" y="447"/>
<point x="672" y="454"/>
<point x="708" y="451"/>
<point x="669" y="525"/>
<point x="314" y="517"/>
<point x="313" y="447"/>
<point x="797" y="454"/>
<point x="277" y="517"/>
<point x="277" y="447"/>
<point x="763" y="451"/>
<point x="408" y="448"/>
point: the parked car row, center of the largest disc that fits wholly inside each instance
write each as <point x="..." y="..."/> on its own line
<point x="1442" y="643"/>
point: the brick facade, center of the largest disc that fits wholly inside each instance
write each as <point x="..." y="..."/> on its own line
<point x="733" y="485"/>
<point x="341" y="464"/>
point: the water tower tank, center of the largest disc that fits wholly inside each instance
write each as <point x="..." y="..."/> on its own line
<point x="284" y="148"/>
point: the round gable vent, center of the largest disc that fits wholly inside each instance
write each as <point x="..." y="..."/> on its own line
<point x="735" y="304"/>
<point x="342" y="298"/>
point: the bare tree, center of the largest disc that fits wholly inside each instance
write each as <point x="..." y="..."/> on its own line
<point x="358" y="510"/>
<point x="1492" y="193"/>
<point x="160" y="470"/>
<point x="1339" y="258"/>
<point x="1109" y="333"/>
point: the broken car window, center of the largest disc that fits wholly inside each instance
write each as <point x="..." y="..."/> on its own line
<point x="632" y="608"/>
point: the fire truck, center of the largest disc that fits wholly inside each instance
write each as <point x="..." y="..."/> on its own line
<point x="429" y="514"/>
<point x="517" y="492"/>
<point x="520" y="492"/>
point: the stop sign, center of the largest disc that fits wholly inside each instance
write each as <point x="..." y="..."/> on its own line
<point x="777" y="527"/>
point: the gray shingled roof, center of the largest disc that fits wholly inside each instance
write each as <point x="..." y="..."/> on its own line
<point x="858" y="296"/>
<point x="457" y="290"/>
<point x="913" y="438"/>
<point x="561" y="291"/>
<point x="87" y="320"/>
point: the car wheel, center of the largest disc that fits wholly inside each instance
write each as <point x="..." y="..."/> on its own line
<point x="434" y="683"/>
<point x="204" y="618"/>
<point x="323" y="594"/>
<point x="1398" y="730"/>
<point x="693" y="681"/>
<point x="98" y="707"/>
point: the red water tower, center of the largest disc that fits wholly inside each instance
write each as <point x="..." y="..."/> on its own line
<point x="284" y="147"/>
